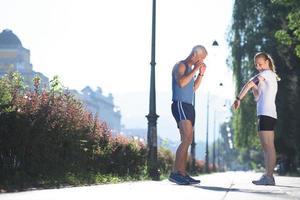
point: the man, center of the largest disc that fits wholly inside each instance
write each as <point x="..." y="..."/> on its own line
<point x="184" y="84"/>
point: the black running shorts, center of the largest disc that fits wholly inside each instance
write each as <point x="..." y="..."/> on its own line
<point x="266" y="123"/>
<point x="183" y="111"/>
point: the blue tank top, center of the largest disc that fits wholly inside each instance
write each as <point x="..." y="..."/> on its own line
<point x="184" y="94"/>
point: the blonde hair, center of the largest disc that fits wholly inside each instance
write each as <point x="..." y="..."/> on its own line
<point x="266" y="56"/>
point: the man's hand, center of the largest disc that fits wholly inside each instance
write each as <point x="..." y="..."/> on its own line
<point x="202" y="68"/>
<point x="197" y="65"/>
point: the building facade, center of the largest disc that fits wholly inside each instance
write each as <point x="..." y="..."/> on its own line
<point x="101" y="106"/>
<point x="14" y="57"/>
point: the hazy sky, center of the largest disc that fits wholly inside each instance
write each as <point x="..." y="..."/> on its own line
<point x="107" y="43"/>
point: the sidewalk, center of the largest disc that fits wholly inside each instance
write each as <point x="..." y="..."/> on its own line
<point x="217" y="186"/>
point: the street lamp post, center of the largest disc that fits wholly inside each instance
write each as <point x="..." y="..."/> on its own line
<point x="193" y="145"/>
<point x="214" y="44"/>
<point x="152" y="116"/>
<point x="206" y="145"/>
<point x="214" y="144"/>
<point x="214" y="138"/>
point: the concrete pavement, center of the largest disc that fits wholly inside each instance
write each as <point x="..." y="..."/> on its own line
<point x="217" y="186"/>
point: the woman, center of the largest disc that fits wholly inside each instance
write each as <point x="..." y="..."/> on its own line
<point x="264" y="87"/>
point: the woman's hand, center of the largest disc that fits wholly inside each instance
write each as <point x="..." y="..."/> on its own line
<point x="236" y="104"/>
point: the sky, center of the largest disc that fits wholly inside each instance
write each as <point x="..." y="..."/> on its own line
<point x="107" y="43"/>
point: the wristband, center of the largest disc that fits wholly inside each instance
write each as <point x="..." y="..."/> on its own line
<point x="238" y="98"/>
<point x="200" y="74"/>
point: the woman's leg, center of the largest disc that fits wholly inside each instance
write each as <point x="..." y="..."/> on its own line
<point x="267" y="142"/>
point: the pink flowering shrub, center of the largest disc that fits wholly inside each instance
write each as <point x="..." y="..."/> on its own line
<point x="165" y="160"/>
<point x="47" y="134"/>
<point x="121" y="149"/>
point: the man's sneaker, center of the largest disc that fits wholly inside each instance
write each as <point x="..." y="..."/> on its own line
<point x="178" y="178"/>
<point x="192" y="180"/>
<point x="265" y="180"/>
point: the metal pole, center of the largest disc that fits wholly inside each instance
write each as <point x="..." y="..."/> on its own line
<point x="206" y="148"/>
<point x="152" y="116"/>
<point x="214" y="44"/>
<point x="218" y="150"/>
<point x="214" y="144"/>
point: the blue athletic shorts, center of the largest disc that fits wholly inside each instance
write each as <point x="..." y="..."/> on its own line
<point x="266" y="123"/>
<point x="183" y="111"/>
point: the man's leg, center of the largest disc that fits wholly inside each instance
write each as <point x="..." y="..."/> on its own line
<point x="186" y="132"/>
<point x="267" y="142"/>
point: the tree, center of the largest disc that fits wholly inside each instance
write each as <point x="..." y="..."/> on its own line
<point x="289" y="34"/>
<point x="257" y="25"/>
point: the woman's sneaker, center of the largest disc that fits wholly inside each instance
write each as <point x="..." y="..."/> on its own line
<point x="265" y="180"/>
<point x="192" y="180"/>
<point x="178" y="178"/>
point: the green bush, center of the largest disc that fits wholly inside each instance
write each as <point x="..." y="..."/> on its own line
<point x="47" y="137"/>
<point x="165" y="160"/>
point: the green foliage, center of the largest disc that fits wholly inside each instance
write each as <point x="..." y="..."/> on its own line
<point x="244" y="40"/>
<point x="297" y="48"/>
<point x="48" y="138"/>
<point x="10" y="85"/>
<point x="5" y="95"/>
<point x="289" y="34"/>
<point x="126" y="157"/>
<point x="273" y="27"/>
<point x="165" y="160"/>
<point x="55" y="86"/>
<point x="284" y="37"/>
<point x="229" y="155"/>
<point x="284" y="2"/>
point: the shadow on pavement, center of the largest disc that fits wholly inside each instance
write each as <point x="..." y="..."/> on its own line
<point x="222" y="189"/>
<point x="287" y="186"/>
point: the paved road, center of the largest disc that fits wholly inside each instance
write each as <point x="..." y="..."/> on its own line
<point x="218" y="186"/>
